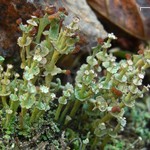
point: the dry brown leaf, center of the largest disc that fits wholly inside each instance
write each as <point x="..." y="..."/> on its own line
<point x="126" y="14"/>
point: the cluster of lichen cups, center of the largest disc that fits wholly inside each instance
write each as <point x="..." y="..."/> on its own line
<point x="102" y="86"/>
<point x="39" y="53"/>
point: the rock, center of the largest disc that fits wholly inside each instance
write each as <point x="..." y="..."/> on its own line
<point x="11" y="10"/>
<point x="89" y="24"/>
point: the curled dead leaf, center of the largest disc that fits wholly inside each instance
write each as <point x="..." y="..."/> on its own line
<point x="126" y="14"/>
